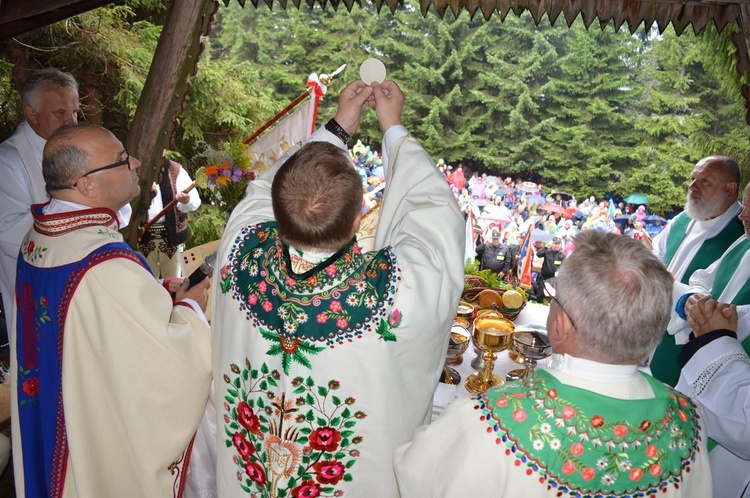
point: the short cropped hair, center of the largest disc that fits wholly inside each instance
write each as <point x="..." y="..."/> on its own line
<point x="731" y="170"/>
<point x="63" y="162"/>
<point x="617" y="294"/>
<point x="34" y="83"/>
<point x="316" y="196"/>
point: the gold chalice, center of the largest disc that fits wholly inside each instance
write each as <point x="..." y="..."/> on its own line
<point x="457" y="344"/>
<point x="491" y="335"/>
<point x="531" y="346"/>
<point x="478" y="362"/>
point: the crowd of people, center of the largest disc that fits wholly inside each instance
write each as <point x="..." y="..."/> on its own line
<point x="316" y="374"/>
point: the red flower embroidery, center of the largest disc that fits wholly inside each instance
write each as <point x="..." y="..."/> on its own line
<point x="243" y="446"/>
<point x="329" y="471"/>
<point x="552" y="393"/>
<point x="247" y="418"/>
<point x="256" y="473"/>
<point x="645" y="425"/>
<point x="30" y="248"/>
<point x="43" y="301"/>
<point x="620" y="430"/>
<point x="568" y="468"/>
<point x="519" y="415"/>
<point x="683" y="401"/>
<point x="568" y="412"/>
<point x="682" y="415"/>
<point x="224" y="272"/>
<point x="651" y="451"/>
<point x="636" y="474"/>
<point x="308" y="489"/>
<point x="655" y="470"/>
<point x="325" y="439"/>
<point x="31" y="387"/>
<point x="333" y="384"/>
<point x="588" y="473"/>
<point x="576" y="449"/>
<point x="597" y="421"/>
<point x="502" y="402"/>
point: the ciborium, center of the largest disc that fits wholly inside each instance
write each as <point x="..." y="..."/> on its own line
<point x="491" y="335"/>
<point x="530" y="346"/>
<point x="457" y="344"/>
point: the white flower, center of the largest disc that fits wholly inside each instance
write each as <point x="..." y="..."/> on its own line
<point x="608" y="479"/>
<point x="361" y="286"/>
<point x="624" y="465"/>
<point x="555" y="444"/>
<point x="290" y="327"/>
<point x="602" y="463"/>
<point x="351" y="300"/>
<point x="370" y="301"/>
<point x="538" y="444"/>
<point x="302" y="317"/>
<point x="545" y="428"/>
<point x="253" y="270"/>
<point x="282" y="313"/>
<point x="258" y="253"/>
<point x="675" y="429"/>
<point x="682" y="444"/>
<point x="672" y="445"/>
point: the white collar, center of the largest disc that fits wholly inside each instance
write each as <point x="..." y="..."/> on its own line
<point x="37" y="142"/>
<point x="593" y="370"/>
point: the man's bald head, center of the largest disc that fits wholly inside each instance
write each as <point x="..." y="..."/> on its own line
<point x="66" y="157"/>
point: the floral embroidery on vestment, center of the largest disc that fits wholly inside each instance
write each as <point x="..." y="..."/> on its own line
<point x="302" y="443"/>
<point x="622" y="448"/>
<point x="346" y="298"/>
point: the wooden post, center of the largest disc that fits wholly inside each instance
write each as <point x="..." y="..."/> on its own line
<point x="163" y="94"/>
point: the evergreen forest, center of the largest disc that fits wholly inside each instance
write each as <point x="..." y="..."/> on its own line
<point x="589" y="111"/>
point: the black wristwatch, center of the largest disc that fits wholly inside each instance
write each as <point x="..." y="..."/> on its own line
<point x="334" y="127"/>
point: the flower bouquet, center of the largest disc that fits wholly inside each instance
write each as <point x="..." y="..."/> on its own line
<point x="226" y="175"/>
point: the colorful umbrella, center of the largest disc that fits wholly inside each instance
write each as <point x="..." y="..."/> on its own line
<point x="636" y="199"/>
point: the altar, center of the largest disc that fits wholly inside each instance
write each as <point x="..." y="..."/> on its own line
<point x="532" y="317"/>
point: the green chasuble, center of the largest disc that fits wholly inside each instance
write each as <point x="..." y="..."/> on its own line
<point x="668" y="360"/>
<point x="586" y="444"/>
<point x="709" y="249"/>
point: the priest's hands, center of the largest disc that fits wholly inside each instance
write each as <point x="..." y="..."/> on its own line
<point x="352" y="100"/>
<point x="705" y="314"/>
<point x="389" y="103"/>
<point x="198" y="292"/>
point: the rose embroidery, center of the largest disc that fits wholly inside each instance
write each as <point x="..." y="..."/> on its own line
<point x="325" y="439"/>
<point x="308" y="489"/>
<point x="256" y="473"/>
<point x="329" y="471"/>
<point x="247" y="418"/>
<point x="31" y="387"/>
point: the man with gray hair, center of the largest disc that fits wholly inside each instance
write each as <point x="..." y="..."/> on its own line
<point x="50" y="100"/>
<point x="592" y="424"/>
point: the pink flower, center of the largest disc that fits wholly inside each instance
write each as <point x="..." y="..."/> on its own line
<point x="308" y="489"/>
<point x="256" y="473"/>
<point x="568" y="412"/>
<point x="267" y="306"/>
<point x="252" y="299"/>
<point x="682" y="415"/>
<point x="597" y="421"/>
<point x="329" y="471"/>
<point x="655" y="470"/>
<point x="243" y="446"/>
<point x="342" y="323"/>
<point x="290" y="281"/>
<point x="395" y="319"/>
<point x="322" y="318"/>
<point x="651" y="451"/>
<point x="588" y="473"/>
<point x="576" y="449"/>
<point x="247" y="418"/>
<point x="224" y="272"/>
<point x="636" y="474"/>
<point x="552" y="393"/>
<point x="519" y="415"/>
<point x="502" y="402"/>
<point x="262" y="286"/>
<point x="620" y="430"/>
<point x="568" y="468"/>
<point x="331" y="270"/>
<point x="335" y="306"/>
<point x="325" y="439"/>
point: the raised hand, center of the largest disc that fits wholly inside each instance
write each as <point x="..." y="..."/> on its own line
<point x="352" y="100"/>
<point x="389" y="103"/>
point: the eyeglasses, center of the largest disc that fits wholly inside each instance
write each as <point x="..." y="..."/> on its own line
<point x="552" y="298"/>
<point x="121" y="162"/>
